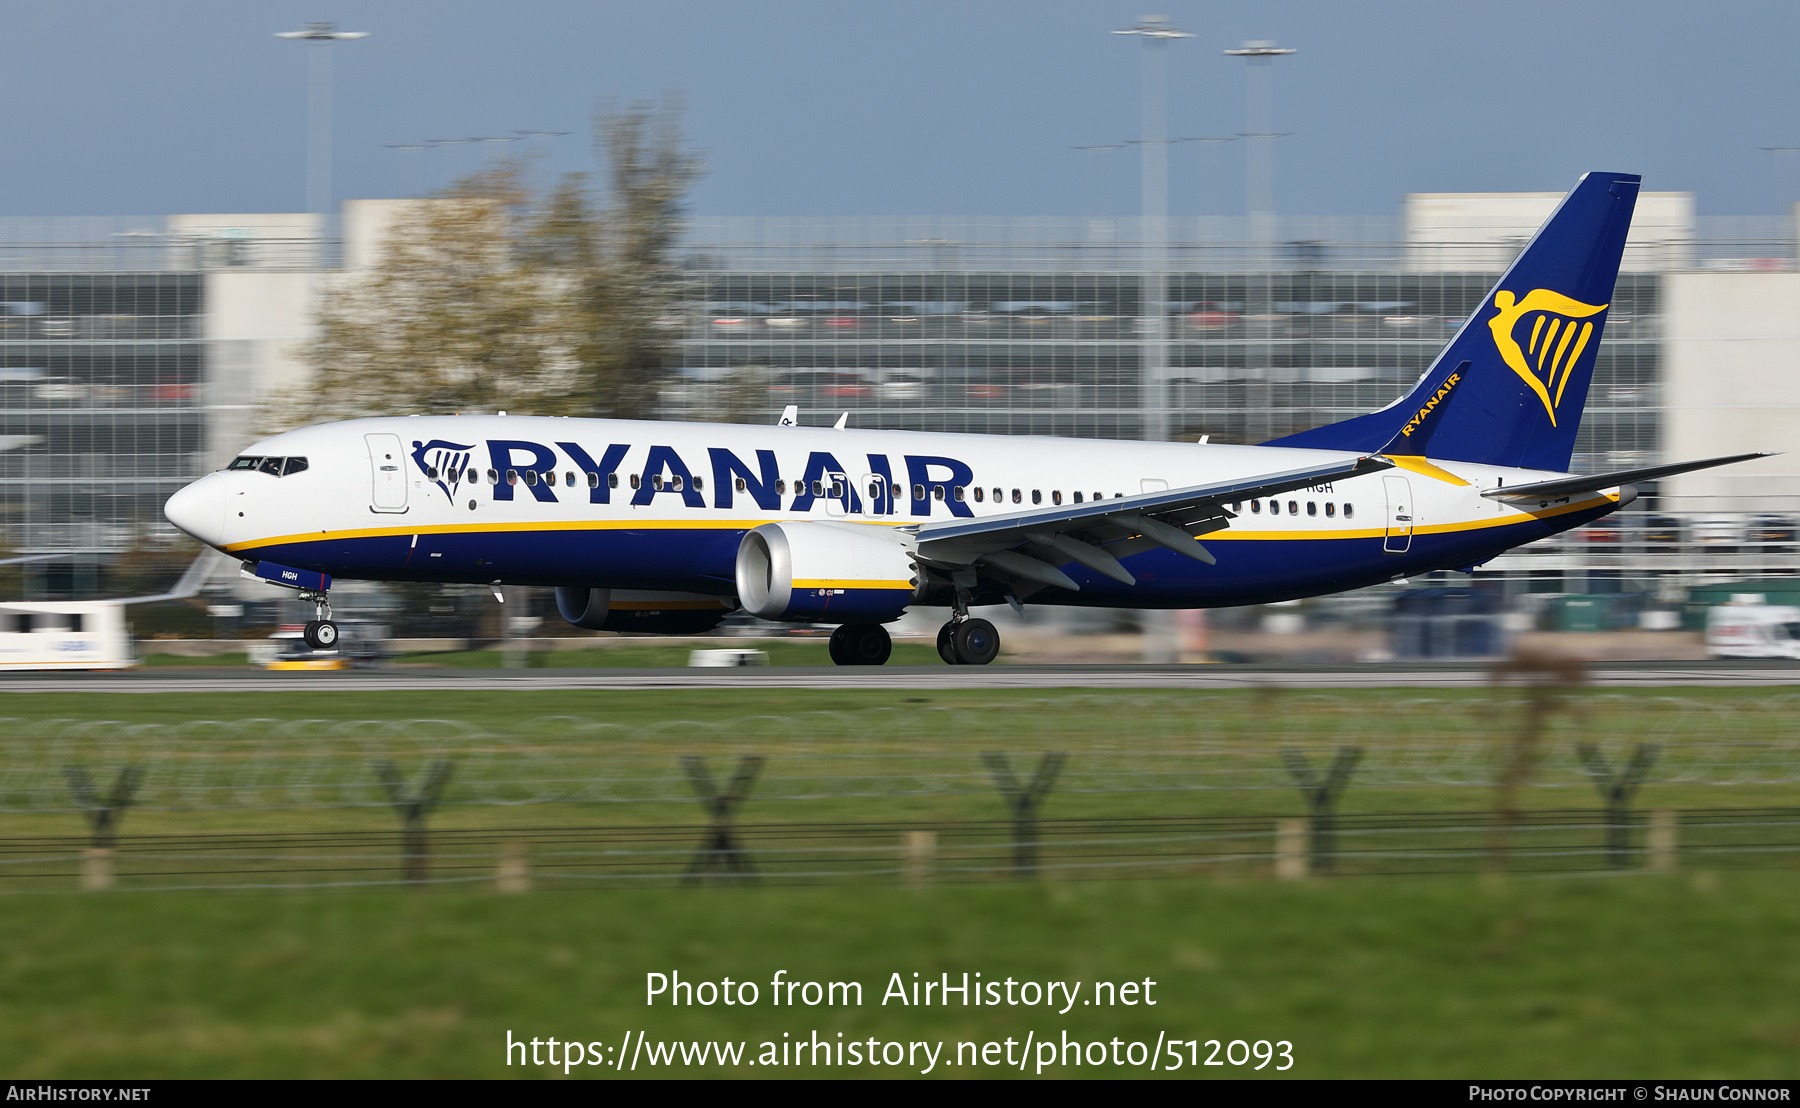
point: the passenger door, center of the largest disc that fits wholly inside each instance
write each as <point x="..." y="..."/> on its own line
<point x="387" y="473"/>
<point x="1400" y="513"/>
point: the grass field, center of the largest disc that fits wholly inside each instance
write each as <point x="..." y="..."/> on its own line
<point x="1690" y="974"/>
<point x="1685" y="976"/>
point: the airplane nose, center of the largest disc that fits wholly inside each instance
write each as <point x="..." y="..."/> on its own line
<point x="199" y="509"/>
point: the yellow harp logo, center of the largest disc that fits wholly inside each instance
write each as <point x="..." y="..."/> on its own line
<point x="1558" y="336"/>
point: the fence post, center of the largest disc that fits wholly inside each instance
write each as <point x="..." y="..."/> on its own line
<point x="103" y="815"/>
<point x="1546" y="678"/>
<point x="1024" y="800"/>
<point x="720" y="850"/>
<point x="513" y="874"/>
<point x="1321" y="795"/>
<point x="1662" y="841"/>
<point x="1616" y="788"/>
<point x="413" y="807"/>
<point x="1290" y="849"/>
<point x="918" y="852"/>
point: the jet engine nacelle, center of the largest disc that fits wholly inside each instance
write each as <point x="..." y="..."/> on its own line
<point x="646" y="613"/>
<point x="825" y="572"/>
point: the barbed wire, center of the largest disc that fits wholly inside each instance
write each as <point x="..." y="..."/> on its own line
<point x="1117" y="745"/>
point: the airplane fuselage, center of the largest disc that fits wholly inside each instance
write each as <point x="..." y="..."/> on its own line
<point x="663" y="506"/>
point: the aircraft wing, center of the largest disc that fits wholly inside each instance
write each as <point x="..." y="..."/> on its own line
<point x="1030" y="545"/>
<point x="198" y="573"/>
<point x="1568" y="486"/>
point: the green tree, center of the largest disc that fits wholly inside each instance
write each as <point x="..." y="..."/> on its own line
<point x="491" y="296"/>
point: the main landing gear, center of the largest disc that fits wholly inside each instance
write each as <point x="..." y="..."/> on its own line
<point x="968" y="642"/>
<point x="320" y="633"/>
<point x="860" y="644"/>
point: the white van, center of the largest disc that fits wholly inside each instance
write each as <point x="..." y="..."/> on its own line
<point x="64" y="634"/>
<point x="1753" y="631"/>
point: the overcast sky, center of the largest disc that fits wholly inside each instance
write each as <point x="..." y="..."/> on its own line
<point x="850" y="107"/>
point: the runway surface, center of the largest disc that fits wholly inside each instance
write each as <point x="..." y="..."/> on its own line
<point x="1448" y="676"/>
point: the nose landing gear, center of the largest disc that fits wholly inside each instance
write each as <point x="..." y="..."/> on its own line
<point x="320" y="633"/>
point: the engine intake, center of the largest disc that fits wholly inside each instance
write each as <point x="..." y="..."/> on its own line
<point x="825" y="572"/>
<point x="645" y="613"/>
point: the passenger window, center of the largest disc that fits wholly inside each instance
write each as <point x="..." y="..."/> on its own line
<point x="494" y="477"/>
<point x="531" y="477"/>
<point x="1078" y="497"/>
<point x="550" y="477"/>
<point x="837" y="490"/>
<point x="569" y="478"/>
<point x="999" y="495"/>
<point x="594" y="480"/>
<point x="612" y="480"/>
<point x="294" y="465"/>
<point x="1037" y="496"/>
<point x="512" y="476"/>
<point x="874" y="490"/>
<point x="1274" y="507"/>
<point x="656" y="483"/>
<point x="1330" y="509"/>
<point x="1349" y="510"/>
<point x="780" y="486"/>
<point x="636" y="481"/>
<point x="978" y="494"/>
<point x="1016" y="496"/>
<point x="1312" y="508"/>
<point x="937" y="492"/>
<point x="741" y="485"/>
<point x="1293" y="507"/>
<point x="896" y="492"/>
<point x="431" y="472"/>
<point x="1098" y="496"/>
<point x="699" y="483"/>
<point x="918" y="492"/>
<point x="1256" y="507"/>
<point x="957" y="492"/>
<point x="1056" y="496"/>
<point x="818" y="488"/>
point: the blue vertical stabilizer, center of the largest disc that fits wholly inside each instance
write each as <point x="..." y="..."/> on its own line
<point x="1518" y="371"/>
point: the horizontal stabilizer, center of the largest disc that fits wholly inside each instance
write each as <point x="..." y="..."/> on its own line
<point x="1568" y="486"/>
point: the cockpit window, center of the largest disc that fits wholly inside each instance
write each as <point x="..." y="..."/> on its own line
<point x="275" y="467"/>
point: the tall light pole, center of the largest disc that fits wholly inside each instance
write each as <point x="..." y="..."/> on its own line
<point x="319" y="37"/>
<point x="1156" y="32"/>
<point x="1260" y="200"/>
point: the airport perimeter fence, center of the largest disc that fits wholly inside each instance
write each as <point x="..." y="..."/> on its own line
<point x="1074" y="787"/>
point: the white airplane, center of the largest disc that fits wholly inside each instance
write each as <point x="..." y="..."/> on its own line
<point x="669" y="527"/>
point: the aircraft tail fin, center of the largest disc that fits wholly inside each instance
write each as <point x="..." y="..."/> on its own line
<point x="1522" y="361"/>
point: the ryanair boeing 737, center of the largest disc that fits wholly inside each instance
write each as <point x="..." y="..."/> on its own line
<point x="668" y="527"/>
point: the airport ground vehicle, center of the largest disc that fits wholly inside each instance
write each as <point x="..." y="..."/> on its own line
<point x="1753" y="631"/>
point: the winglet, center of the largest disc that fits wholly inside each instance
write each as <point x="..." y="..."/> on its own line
<point x="790" y="416"/>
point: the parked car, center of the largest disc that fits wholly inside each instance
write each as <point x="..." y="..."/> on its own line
<point x="1719" y="533"/>
<point x="1661" y="534"/>
<point x="1753" y="631"/>
<point x="1770" y="534"/>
